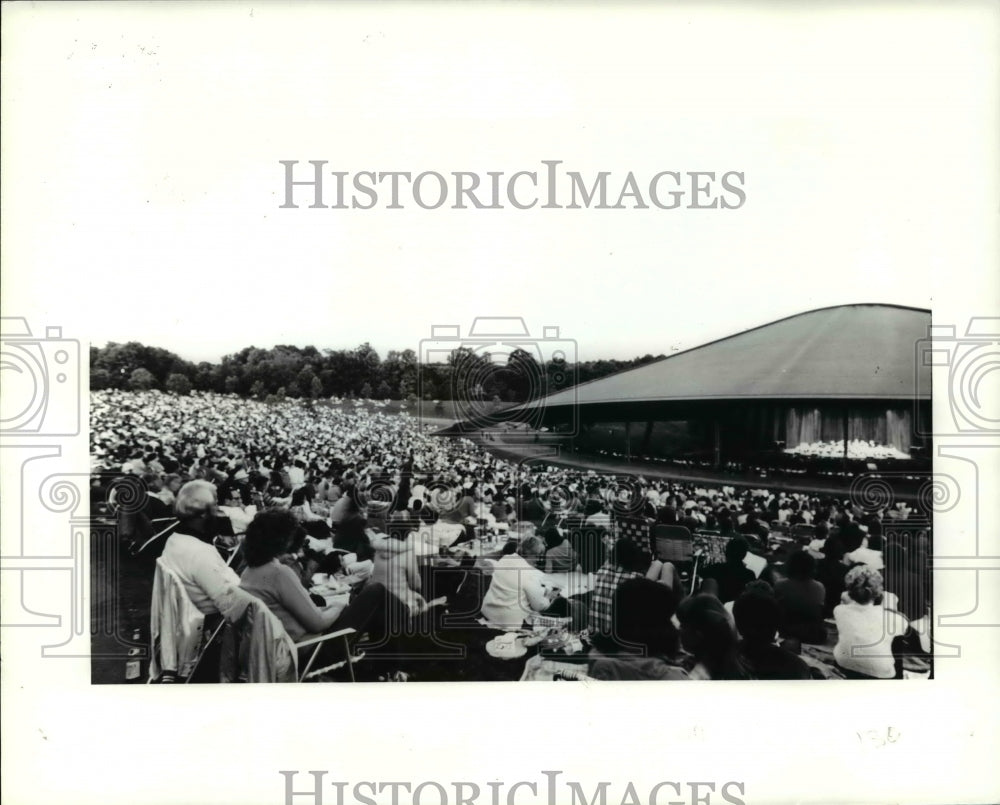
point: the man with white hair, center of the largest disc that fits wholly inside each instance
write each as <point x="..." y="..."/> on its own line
<point x="189" y="551"/>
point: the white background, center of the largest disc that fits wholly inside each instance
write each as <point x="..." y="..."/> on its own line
<point x="140" y="190"/>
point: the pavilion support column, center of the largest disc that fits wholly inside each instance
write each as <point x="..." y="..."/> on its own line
<point x="716" y="444"/>
<point x="628" y="441"/>
<point x="644" y="450"/>
<point x="845" y="438"/>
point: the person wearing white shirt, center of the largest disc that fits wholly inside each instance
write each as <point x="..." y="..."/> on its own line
<point x="296" y="474"/>
<point x="516" y="588"/>
<point x="239" y="515"/>
<point x="189" y="551"/>
<point x="867" y="628"/>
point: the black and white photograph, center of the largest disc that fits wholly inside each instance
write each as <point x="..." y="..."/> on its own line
<point x="367" y="368"/>
<point x="758" y="507"/>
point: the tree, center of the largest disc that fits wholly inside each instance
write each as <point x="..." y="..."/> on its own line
<point x="118" y="361"/>
<point x="466" y="374"/>
<point x="558" y="375"/>
<point x="99" y="379"/>
<point x="399" y="371"/>
<point x="141" y="379"/>
<point x="204" y="375"/>
<point x="304" y="381"/>
<point x="178" y="384"/>
<point x="522" y="375"/>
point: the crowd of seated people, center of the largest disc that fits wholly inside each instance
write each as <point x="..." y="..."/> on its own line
<point x="367" y="482"/>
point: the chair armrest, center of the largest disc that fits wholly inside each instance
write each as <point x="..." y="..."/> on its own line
<point x="324" y="637"/>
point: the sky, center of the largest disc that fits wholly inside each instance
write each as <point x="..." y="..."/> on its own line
<point x="149" y="206"/>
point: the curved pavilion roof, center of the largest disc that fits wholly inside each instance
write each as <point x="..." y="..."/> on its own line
<point x="859" y="351"/>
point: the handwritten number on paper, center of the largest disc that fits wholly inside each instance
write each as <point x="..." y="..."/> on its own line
<point x="879" y="738"/>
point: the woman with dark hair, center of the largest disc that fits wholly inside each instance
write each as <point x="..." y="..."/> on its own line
<point x="277" y="585"/>
<point x="801" y="599"/>
<point x="708" y="633"/>
<point x="644" y="643"/>
<point x="757" y="616"/>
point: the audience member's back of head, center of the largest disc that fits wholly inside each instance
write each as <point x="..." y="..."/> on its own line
<point x="642" y="611"/>
<point x="269" y="534"/>
<point x="851" y="534"/>
<point x="833" y="549"/>
<point x="708" y="633"/>
<point x="532" y="547"/>
<point x="194" y="499"/>
<point x="801" y="565"/>
<point x="864" y="585"/>
<point x="736" y="550"/>
<point x="626" y="555"/>
<point x="667" y="516"/>
<point x="552" y="537"/>
<point x="756" y="613"/>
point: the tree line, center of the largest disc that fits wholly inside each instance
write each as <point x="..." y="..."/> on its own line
<point x="360" y="373"/>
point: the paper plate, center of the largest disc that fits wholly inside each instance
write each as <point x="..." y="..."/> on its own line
<point x="505" y="651"/>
